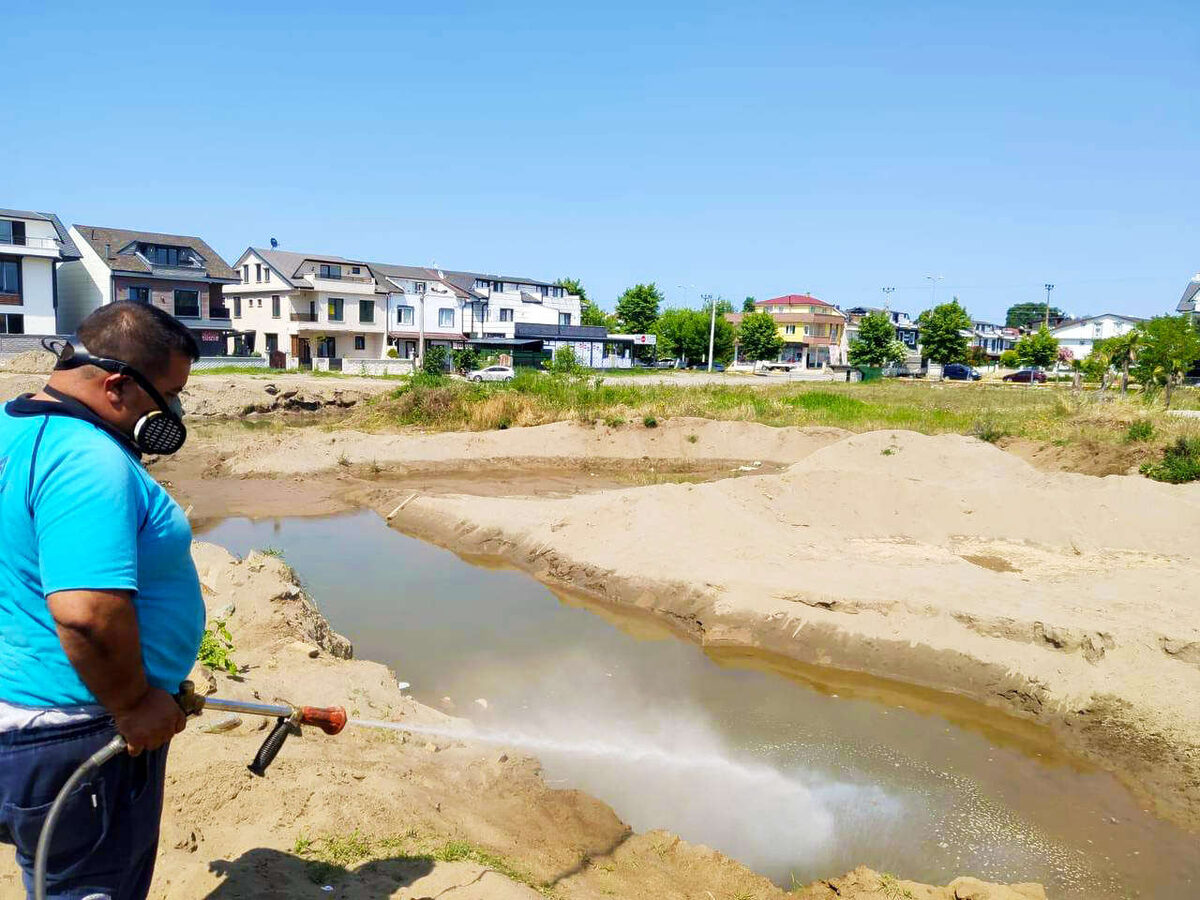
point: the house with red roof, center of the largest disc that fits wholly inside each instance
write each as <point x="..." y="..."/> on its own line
<point x="813" y="331"/>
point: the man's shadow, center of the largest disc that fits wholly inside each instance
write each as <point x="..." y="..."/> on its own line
<point x="265" y="873"/>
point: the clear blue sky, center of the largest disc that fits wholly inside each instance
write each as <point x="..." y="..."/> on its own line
<point x="752" y="148"/>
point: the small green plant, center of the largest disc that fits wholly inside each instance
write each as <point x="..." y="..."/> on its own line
<point x="376" y="468"/>
<point x="987" y="428"/>
<point x="888" y="451"/>
<point x="890" y="887"/>
<point x="692" y="438"/>
<point x="650" y="421"/>
<point x="465" y="360"/>
<point x="216" y="648"/>
<point x="393" y="353"/>
<point x="614" y="421"/>
<point x="1141" y="430"/>
<point x="344" y="461"/>
<point x="1180" y="462"/>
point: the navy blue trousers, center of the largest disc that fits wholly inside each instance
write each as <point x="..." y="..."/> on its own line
<point x="107" y="838"/>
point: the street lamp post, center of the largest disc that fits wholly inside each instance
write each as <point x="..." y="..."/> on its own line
<point x="887" y="298"/>
<point x="712" y="327"/>
<point x="1049" y="287"/>
<point x="933" y="280"/>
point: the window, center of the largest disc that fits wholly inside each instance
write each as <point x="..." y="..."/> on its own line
<point x="498" y="286"/>
<point x="355" y="271"/>
<point x="419" y="287"/>
<point x="246" y="274"/>
<point x="187" y="304"/>
<point x="564" y="318"/>
<point x="544" y="290"/>
<point x="139" y="294"/>
<point x="336" y="305"/>
<point x="330" y="271"/>
<point x="266" y="274"/>
<point x="1097" y="329"/>
<point x="366" y="312"/>
<point x="165" y="256"/>
<point x="327" y="348"/>
<point x="506" y="315"/>
<point x="237" y="307"/>
<point x="789" y="329"/>
<point x="445" y="318"/>
<point x="360" y="342"/>
<point x="272" y="342"/>
<point x="274" y="306"/>
<point x="12" y="233"/>
<point x="258" y="271"/>
<point x="12" y="323"/>
<point x="10" y="276"/>
<point x="404" y="315"/>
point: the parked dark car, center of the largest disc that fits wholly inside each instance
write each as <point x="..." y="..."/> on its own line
<point x="1025" y="376"/>
<point x="717" y="367"/>
<point x="960" y="372"/>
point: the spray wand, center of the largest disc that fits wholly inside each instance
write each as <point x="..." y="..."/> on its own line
<point x="288" y="719"/>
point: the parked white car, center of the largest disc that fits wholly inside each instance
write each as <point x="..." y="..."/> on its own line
<point x="492" y="373"/>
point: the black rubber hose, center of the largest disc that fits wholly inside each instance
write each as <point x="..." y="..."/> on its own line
<point x="90" y="765"/>
<point x="271" y="746"/>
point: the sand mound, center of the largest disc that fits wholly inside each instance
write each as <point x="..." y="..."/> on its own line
<point x="936" y="560"/>
<point x="37" y="362"/>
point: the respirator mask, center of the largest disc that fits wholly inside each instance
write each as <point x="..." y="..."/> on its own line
<point x="160" y="431"/>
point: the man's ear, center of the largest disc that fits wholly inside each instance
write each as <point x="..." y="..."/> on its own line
<point x="114" y="388"/>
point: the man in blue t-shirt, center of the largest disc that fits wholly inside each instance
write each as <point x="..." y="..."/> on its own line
<point x="101" y="613"/>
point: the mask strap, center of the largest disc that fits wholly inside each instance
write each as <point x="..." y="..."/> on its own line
<point x="77" y="409"/>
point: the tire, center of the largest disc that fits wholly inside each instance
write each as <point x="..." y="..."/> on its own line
<point x="507" y="379"/>
<point x="477" y="379"/>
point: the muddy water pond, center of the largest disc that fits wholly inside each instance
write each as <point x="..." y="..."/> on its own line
<point x="794" y="774"/>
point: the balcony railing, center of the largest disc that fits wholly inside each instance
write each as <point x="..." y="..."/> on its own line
<point x="304" y="317"/>
<point x="40" y="243"/>
<point x="218" y="312"/>
<point x="356" y="279"/>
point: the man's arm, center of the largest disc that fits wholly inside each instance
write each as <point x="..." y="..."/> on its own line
<point x="99" y="632"/>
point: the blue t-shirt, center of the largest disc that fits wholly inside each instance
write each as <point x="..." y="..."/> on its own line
<point x="79" y="512"/>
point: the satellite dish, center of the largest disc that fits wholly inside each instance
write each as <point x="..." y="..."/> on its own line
<point x="274" y="244"/>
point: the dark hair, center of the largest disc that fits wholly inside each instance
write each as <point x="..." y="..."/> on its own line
<point x="139" y="334"/>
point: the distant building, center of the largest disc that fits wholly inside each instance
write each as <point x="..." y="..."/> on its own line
<point x="1079" y="335"/>
<point x="907" y="331"/>
<point x="813" y="331"/>
<point x="1191" y="295"/>
<point x="993" y="339"/>
<point x="178" y="273"/>
<point x="33" y="245"/>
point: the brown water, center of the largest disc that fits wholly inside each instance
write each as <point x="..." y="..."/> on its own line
<point x="794" y="770"/>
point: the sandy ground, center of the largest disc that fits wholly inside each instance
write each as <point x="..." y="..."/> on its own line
<point x="394" y="801"/>
<point x="940" y="561"/>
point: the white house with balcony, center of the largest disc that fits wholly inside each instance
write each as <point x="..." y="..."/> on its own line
<point x="499" y="302"/>
<point x="33" y="245"/>
<point x="178" y="273"/>
<point x="309" y="305"/>
<point x="1079" y="335"/>
<point x="424" y="295"/>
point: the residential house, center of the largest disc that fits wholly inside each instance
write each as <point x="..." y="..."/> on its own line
<point x="813" y="331"/>
<point x="1191" y="294"/>
<point x="907" y="331"/>
<point x="419" y="294"/>
<point x="1078" y="335"/>
<point x="993" y="339"/>
<point x="33" y="246"/>
<point x="310" y="305"/>
<point x="499" y="302"/>
<point x="178" y="273"/>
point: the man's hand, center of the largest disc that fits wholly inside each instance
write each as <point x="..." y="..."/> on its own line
<point x="151" y="722"/>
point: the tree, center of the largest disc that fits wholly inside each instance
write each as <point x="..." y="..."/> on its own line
<point x="723" y="306"/>
<point x="1024" y="315"/>
<point x="1009" y="359"/>
<point x="434" y="363"/>
<point x="1123" y="352"/>
<point x="748" y="305"/>
<point x="683" y="333"/>
<point x="876" y="344"/>
<point x="1168" y="347"/>
<point x="1098" y="363"/>
<point x="573" y="286"/>
<point x="942" y="339"/>
<point x="564" y="362"/>
<point x="637" y="308"/>
<point x="1038" y="349"/>
<point x="759" y="336"/>
<point x="465" y="360"/>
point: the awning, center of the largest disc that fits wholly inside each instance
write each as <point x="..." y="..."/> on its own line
<point x="506" y="342"/>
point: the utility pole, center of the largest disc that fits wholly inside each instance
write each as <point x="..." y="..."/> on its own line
<point x="712" y="327"/>
<point x="421" y="333"/>
<point x="887" y="298"/>
<point x="1049" y="287"/>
